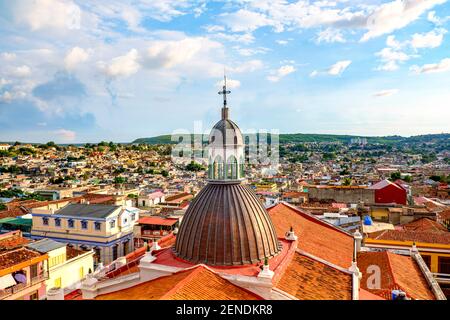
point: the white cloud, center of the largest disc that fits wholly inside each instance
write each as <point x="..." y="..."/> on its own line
<point x="395" y="15"/>
<point x="385" y="93"/>
<point x="391" y="58"/>
<point x="248" y="66"/>
<point x="231" y="84"/>
<point x="4" y="82"/>
<point x="442" y="66"/>
<point x="48" y="14"/>
<point x="65" y="135"/>
<point x="21" y="72"/>
<point x="213" y="28"/>
<point x="9" y="96"/>
<point x="330" y="35"/>
<point x="339" y="67"/>
<point x="437" y="20"/>
<point x="122" y="66"/>
<point x="246" y="21"/>
<point x="167" y="54"/>
<point x="432" y="39"/>
<point x="282" y="42"/>
<point x="247" y="52"/>
<point x="245" y="38"/>
<point x="75" y="56"/>
<point x="8" y="56"/>
<point x="283" y="71"/>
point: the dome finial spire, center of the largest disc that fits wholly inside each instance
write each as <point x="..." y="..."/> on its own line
<point x="224" y="92"/>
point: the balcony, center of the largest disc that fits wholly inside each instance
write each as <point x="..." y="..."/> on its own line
<point x="22" y="286"/>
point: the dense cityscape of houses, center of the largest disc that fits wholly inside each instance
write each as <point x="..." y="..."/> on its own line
<point x="99" y="221"/>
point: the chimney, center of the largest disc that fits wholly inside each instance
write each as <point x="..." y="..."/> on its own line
<point x="356" y="278"/>
<point x="357" y="236"/>
<point x="290" y="235"/>
<point x="266" y="273"/>
<point x="413" y="249"/>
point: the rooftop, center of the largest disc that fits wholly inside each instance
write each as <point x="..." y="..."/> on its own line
<point x="315" y="236"/>
<point x="87" y="210"/>
<point x="309" y="279"/>
<point x="45" y="245"/>
<point x="184" y="285"/>
<point x="397" y="272"/>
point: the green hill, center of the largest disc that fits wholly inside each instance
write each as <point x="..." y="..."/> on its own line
<point x="302" y="138"/>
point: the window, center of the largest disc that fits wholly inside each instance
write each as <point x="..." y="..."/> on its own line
<point x="34" y="296"/>
<point x="133" y="216"/>
<point x="84" y="224"/>
<point x="71" y="223"/>
<point x="33" y="271"/>
<point x="427" y="260"/>
<point x="45" y="221"/>
<point x="112" y="223"/>
<point x="81" y="273"/>
<point x="57" y="283"/>
<point x="57" y="222"/>
<point x="97" y="225"/>
<point x="444" y="265"/>
<point x="115" y="252"/>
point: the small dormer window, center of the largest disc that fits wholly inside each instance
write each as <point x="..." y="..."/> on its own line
<point x="112" y="223"/>
<point x="84" y="224"/>
<point x="71" y="223"/>
<point x="57" y="222"/>
<point x="45" y="221"/>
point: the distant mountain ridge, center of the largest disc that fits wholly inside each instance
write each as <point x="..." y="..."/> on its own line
<point x="307" y="137"/>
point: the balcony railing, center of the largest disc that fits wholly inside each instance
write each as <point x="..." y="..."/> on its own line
<point x="21" y="286"/>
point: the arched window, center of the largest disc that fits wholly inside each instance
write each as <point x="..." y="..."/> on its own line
<point x="232" y="172"/>
<point x="218" y="168"/>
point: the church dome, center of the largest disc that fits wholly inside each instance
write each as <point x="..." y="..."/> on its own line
<point x="226" y="224"/>
<point x="226" y="132"/>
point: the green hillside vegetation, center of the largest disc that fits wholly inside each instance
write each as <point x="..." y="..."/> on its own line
<point x="328" y="138"/>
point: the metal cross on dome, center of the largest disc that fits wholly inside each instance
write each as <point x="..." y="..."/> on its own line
<point x="224" y="91"/>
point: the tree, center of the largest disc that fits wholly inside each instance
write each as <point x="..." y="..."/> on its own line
<point x="164" y="173"/>
<point x="2" y="206"/>
<point x="396" y="175"/>
<point x="193" y="166"/>
<point x="119" y="180"/>
<point x="347" y="182"/>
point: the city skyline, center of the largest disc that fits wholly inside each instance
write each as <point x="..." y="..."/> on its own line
<point x="80" y="72"/>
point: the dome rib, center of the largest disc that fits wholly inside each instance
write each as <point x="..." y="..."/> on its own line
<point x="226" y="225"/>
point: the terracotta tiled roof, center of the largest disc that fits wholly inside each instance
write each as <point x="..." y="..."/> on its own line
<point x="15" y="240"/>
<point x="366" y="295"/>
<point x="397" y="272"/>
<point x="424" y="225"/>
<point x="15" y="257"/>
<point x="198" y="283"/>
<point x="414" y="236"/>
<point x="444" y="215"/>
<point x="157" y="221"/>
<point x="314" y="236"/>
<point x="308" y="279"/>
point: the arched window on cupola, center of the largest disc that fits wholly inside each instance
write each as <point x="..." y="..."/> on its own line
<point x="241" y="167"/>
<point x="218" y="168"/>
<point x="210" y="168"/>
<point x="232" y="168"/>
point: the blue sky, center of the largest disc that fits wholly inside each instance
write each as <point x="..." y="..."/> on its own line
<point x="79" y="71"/>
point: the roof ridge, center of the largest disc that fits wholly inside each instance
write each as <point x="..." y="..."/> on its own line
<point x="330" y="264"/>
<point x="314" y="218"/>
<point x="193" y="272"/>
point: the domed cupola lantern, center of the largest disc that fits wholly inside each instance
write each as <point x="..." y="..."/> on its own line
<point x="226" y="224"/>
<point x="226" y="147"/>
